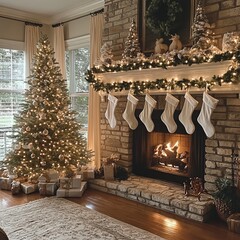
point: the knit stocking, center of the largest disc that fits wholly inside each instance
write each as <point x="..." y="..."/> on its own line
<point x="109" y="114"/>
<point x="167" y="115"/>
<point x="145" y="115"/>
<point x="128" y="114"/>
<point x="185" y="116"/>
<point x="204" y="118"/>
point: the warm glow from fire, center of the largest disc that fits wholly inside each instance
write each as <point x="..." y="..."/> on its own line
<point x="171" y="148"/>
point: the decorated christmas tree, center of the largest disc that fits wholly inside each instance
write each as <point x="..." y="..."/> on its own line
<point x="201" y="29"/>
<point x="47" y="134"/>
<point x="131" y="47"/>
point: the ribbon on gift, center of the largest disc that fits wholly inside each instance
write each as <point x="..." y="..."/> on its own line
<point x="66" y="184"/>
<point x="43" y="189"/>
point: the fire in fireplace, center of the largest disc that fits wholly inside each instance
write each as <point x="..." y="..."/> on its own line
<point x="172" y="154"/>
<point x="173" y="157"/>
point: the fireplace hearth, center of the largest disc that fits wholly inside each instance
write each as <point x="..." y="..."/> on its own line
<point x="173" y="157"/>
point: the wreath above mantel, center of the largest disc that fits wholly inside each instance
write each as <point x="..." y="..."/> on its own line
<point x="162" y="16"/>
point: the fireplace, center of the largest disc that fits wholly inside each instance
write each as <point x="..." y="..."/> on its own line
<point x="173" y="157"/>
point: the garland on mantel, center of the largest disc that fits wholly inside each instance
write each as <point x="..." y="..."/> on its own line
<point x="232" y="76"/>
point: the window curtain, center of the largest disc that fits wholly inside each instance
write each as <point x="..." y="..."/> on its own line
<point x="96" y="31"/>
<point x="31" y="40"/>
<point x="59" y="48"/>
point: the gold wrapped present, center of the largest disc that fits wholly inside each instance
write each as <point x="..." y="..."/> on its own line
<point x="68" y="183"/>
<point x="28" y="188"/>
<point x="73" y="192"/>
<point x="5" y="183"/>
<point x="108" y="172"/>
<point x="47" y="189"/>
<point x="16" y="187"/>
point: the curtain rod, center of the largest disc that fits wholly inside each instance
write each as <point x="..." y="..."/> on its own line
<point x="92" y="14"/>
<point x="19" y="20"/>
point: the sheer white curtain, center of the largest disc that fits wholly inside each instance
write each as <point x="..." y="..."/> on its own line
<point x="31" y="40"/>
<point x="59" y="48"/>
<point x="96" y="31"/>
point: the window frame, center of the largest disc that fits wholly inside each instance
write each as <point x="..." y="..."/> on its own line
<point x="72" y="44"/>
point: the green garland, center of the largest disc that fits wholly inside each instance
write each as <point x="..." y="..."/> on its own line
<point x="138" y="87"/>
<point x="162" y="16"/>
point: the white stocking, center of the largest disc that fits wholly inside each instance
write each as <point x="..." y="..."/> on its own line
<point x="128" y="114"/>
<point x="145" y="115"/>
<point x="167" y="115"/>
<point x="185" y="116"/>
<point x="109" y="114"/>
<point x="204" y="118"/>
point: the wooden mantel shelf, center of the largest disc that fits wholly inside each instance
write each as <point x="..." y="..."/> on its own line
<point x="195" y="71"/>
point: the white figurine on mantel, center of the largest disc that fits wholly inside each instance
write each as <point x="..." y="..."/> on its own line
<point x="160" y="47"/>
<point x="106" y="53"/>
<point x="176" y="43"/>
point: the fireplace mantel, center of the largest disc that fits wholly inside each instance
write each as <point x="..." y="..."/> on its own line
<point x="195" y="71"/>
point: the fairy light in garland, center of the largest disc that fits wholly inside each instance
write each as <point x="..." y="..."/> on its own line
<point x="231" y="76"/>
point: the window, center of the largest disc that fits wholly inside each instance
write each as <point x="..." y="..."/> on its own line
<point x="77" y="63"/>
<point x="11" y="93"/>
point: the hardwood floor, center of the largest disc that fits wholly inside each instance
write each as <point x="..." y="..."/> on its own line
<point x="166" y="225"/>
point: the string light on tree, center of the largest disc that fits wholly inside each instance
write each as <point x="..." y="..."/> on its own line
<point x="48" y="135"/>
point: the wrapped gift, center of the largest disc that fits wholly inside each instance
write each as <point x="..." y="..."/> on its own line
<point x="16" y="187"/>
<point x="108" y="172"/>
<point x="47" y="189"/>
<point x="50" y="176"/>
<point x="87" y="174"/>
<point x="73" y="192"/>
<point x="6" y="183"/>
<point x="68" y="183"/>
<point x="28" y="188"/>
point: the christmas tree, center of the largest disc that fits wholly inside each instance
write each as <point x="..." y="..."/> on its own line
<point x="131" y="48"/>
<point x="201" y="29"/>
<point x="47" y="134"/>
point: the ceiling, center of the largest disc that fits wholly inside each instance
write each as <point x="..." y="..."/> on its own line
<point x="48" y="11"/>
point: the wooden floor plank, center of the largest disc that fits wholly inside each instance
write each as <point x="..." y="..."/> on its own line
<point x="164" y="224"/>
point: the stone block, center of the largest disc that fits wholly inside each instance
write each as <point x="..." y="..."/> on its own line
<point x="134" y="191"/>
<point x="200" y="209"/>
<point x="210" y="178"/>
<point x="238" y="2"/>
<point x="211" y="143"/>
<point x="229" y="12"/>
<point x="228" y="22"/>
<point x="216" y="172"/>
<point x="210" y="150"/>
<point x="213" y="157"/>
<point x="212" y="8"/>
<point x="195" y="217"/>
<point x="166" y="208"/>
<point x="141" y="200"/>
<point x="182" y="204"/>
<point x="99" y="182"/>
<point x="227" y="4"/>
<point x="225" y="136"/>
<point x="121" y="194"/>
<point x="161" y="198"/>
<point x="112" y="185"/>
<point x="152" y="203"/>
<point x="229" y="123"/>
<point x="146" y="194"/>
<point x="180" y="212"/>
<point x="224" y="151"/>
<point x="232" y="130"/>
<point x="226" y="144"/>
<point x="132" y="197"/>
<point x="99" y="188"/>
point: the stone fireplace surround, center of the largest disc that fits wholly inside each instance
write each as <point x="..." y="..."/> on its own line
<point x="164" y="195"/>
<point x="225" y="118"/>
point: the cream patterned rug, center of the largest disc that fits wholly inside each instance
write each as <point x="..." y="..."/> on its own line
<point x="60" y="219"/>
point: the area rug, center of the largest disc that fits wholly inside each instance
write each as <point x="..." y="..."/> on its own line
<point x="60" y="219"/>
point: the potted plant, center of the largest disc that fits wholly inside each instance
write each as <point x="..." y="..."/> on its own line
<point x="226" y="198"/>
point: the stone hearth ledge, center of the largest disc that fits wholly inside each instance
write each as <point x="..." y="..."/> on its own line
<point x="159" y="194"/>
